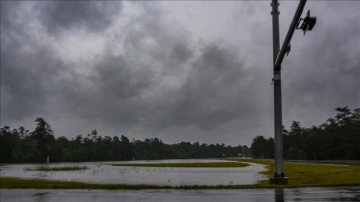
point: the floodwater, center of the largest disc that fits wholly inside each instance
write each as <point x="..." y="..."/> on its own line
<point x="105" y="173"/>
<point x="248" y="195"/>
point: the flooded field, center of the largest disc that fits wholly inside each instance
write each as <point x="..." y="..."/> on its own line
<point x="103" y="172"/>
<point x="248" y="195"/>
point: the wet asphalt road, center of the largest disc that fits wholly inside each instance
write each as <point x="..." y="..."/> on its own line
<point x="259" y="195"/>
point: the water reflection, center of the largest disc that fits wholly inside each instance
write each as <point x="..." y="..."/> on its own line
<point x="279" y="195"/>
<point x="41" y="197"/>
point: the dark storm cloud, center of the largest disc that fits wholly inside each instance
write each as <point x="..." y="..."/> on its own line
<point x="111" y="94"/>
<point x="122" y="85"/>
<point x="217" y="90"/>
<point x="153" y="75"/>
<point x="31" y="73"/>
<point x="7" y="13"/>
<point x="95" y="16"/>
<point x="27" y="82"/>
<point x="133" y="88"/>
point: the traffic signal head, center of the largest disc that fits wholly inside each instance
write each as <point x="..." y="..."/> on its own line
<point x="307" y="24"/>
<point x="312" y="22"/>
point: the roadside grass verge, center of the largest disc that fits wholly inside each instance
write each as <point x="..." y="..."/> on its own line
<point x="230" y="164"/>
<point x="310" y="175"/>
<point x="60" y="168"/>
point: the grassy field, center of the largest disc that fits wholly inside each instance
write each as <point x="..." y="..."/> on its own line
<point x="61" y="168"/>
<point x="230" y="164"/>
<point x="299" y="174"/>
<point x="309" y="175"/>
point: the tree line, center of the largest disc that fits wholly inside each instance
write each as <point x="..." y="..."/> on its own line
<point x="336" y="139"/>
<point x="21" y="145"/>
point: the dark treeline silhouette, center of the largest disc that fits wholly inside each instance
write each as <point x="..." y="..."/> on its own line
<point x="21" y="145"/>
<point x="336" y="139"/>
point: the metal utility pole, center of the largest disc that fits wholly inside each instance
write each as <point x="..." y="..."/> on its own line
<point x="277" y="93"/>
<point x="278" y="56"/>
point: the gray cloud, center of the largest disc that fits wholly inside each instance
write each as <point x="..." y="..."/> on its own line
<point x="211" y="78"/>
<point x="31" y="73"/>
<point x="29" y="70"/>
<point x="213" y="93"/>
<point x="27" y="83"/>
<point x="58" y="16"/>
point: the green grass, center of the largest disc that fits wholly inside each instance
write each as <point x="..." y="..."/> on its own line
<point x="311" y="175"/>
<point x="20" y="183"/>
<point x="61" y="168"/>
<point x="230" y="164"/>
<point x="11" y="182"/>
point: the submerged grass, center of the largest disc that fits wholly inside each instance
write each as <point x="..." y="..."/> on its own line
<point x="61" y="168"/>
<point x="230" y="164"/>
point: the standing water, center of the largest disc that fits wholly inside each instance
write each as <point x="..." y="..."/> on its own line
<point x="105" y="173"/>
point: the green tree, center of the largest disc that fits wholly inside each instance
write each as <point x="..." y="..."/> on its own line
<point x="44" y="138"/>
<point x="262" y="147"/>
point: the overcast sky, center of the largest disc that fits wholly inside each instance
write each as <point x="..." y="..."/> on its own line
<point x="176" y="70"/>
